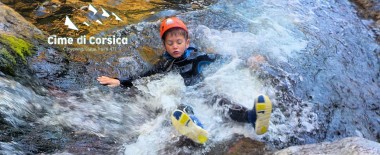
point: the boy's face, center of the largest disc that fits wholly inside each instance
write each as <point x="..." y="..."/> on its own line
<point x="176" y="45"/>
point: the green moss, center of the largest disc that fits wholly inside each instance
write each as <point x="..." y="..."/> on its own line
<point x="21" y="47"/>
<point x="7" y="61"/>
<point x="4" y="54"/>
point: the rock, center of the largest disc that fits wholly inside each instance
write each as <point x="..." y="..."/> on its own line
<point x="13" y="23"/>
<point x="370" y="9"/>
<point x="351" y="145"/>
<point x="24" y="7"/>
<point x="196" y="6"/>
<point x="15" y="36"/>
<point x="48" y="63"/>
<point x="247" y="146"/>
<point x="23" y="51"/>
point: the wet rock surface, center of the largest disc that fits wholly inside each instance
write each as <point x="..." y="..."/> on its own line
<point x="39" y="62"/>
<point x="245" y="146"/>
<point x="350" y="145"/>
<point x="13" y="23"/>
<point x="18" y="39"/>
<point x="370" y="9"/>
<point x="22" y="131"/>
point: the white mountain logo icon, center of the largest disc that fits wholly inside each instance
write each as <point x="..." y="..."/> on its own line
<point x="91" y="8"/>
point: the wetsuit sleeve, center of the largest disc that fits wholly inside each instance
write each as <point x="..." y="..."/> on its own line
<point x="208" y="57"/>
<point x="219" y="58"/>
<point x="159" y="67"/>
<point x="205" y="59"/>
<point x="126" y="82"/>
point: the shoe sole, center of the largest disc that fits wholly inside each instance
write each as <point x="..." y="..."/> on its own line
<point x="185" y="126"/>
<point x="263" y="109"/>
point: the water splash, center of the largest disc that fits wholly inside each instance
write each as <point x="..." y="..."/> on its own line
<point x="91" y="111"/>
<point x="276" y="38"/>
<point x="168" y="92"/>
<point x="272" y="31"/>
<point x="226" y="80"/>
<point x="10" y="148"/>
<point x="19" y="102"/>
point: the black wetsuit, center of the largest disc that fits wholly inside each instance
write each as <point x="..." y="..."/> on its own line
<point x="190" y="66"/>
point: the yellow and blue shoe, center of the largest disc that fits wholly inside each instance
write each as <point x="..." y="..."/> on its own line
<point x="189" y="126"/>
<point x="259" y="116"/>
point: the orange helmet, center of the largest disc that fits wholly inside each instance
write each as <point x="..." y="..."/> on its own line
<point x="171" y="22"/>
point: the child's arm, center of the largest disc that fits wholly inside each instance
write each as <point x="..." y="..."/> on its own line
<point x="111" y="82"/>
<point x="127" y="81"/>
<point x="160" y="67"/>
<point x="205" y="59"/>
<point x="210" y="57"/>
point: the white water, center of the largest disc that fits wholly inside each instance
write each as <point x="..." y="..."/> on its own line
<point x="19" y="102"/>
<point x="275" y="36"/>
<point x="273" y="30"/>
<point x="142" y="120"/>
<point x="233" y="80"/>
<point x="169" y="91"/>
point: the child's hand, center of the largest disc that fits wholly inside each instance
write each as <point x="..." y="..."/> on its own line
<point x="255" y="61"/>
<point x="110" y="82"/>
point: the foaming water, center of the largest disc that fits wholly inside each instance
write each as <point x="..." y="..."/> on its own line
<point x="274" y="34"/>
<point x="168" y="92"/>
<point x="232" y="81"/>
<point x="271" y="30"/>
<point x="19" y="102"/>
<point x="159" y="96"/>
<point x="101" y="113"/>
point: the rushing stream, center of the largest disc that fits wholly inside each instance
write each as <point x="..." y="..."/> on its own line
<point x="322" y="74"/>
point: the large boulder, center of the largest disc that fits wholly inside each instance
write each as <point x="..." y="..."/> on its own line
<point x="14" y="24"/>
<point x="16" y="43"/>
<point x="24" y="52"/>
<point x="370" y="9"/>
<point x="351" y="145"/>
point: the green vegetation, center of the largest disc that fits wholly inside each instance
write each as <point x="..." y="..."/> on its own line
<point x="4" y="54"/>
<point x="21" y="47"/>
<point x="12" y="50"/>
<point x="6" y="61"/>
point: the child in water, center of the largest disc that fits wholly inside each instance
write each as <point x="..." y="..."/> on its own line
<point x="189" y="62"/>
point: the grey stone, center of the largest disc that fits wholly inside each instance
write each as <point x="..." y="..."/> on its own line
<point x="13" y="23"/>
<point x="351" y="145"/>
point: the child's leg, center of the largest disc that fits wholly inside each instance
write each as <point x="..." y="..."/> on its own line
<point x="263" y="110"/>
<point x="189" y="110"/>
<point x="186" y="108"/>
<point x="187" y="124"/>
<point x="235" y="111"/>
<point x="258" y="116"/>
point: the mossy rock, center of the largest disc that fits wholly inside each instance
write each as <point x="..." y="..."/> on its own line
<point x="21" y="47"/>
<point x="6" y="62"/>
